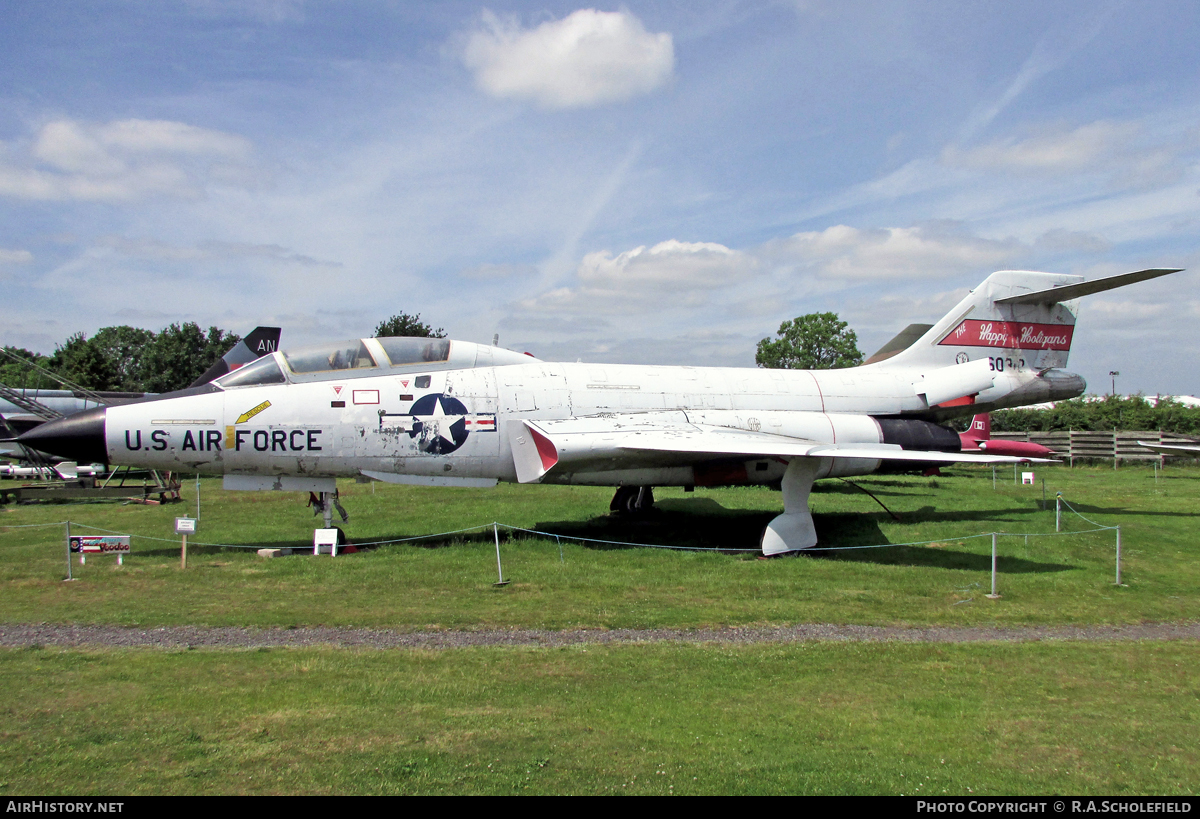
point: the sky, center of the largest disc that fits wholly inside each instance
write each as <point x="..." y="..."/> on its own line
<point x="654" y="183"/>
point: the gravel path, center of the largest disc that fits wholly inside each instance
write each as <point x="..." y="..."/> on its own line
<point x="175" y="637"/>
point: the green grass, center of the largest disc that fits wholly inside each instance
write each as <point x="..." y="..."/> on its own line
<point x="1030" y="718"/>
<point x="447" y="583"/>
<point x="1116" y="718"/>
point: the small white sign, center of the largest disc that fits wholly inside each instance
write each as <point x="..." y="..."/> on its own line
<point x="325" y="541"/>
<point x="1027" y="478"/>
<point x="185" y="526"/>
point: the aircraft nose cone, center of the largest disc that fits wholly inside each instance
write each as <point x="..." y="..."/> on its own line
<point x="78" y="437"/>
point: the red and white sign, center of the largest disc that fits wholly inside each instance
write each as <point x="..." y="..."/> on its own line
<point x="366" y="396"/>
<point x="100" y="544"/>
<point x="1010" y="335"/>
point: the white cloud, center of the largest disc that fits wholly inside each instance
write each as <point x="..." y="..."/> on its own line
<point x="923" y="251"/>
<point x="1072" y="241"/>
<point x="15" y="256"/>
<point x="671" y="263"/>
<point x="879" y="319"/>
<point x="125" y="160"/>
<point x="588" y="58"/>
<point x="1114" y="149"/>
<point x="672" y="288"/>
<point x="1051" y="151"/>
<point x="153" y="250"/>
<point x="265" y="11"/>
<point x="1053" y="50"/>
<point x="496" y="272"/>
<point x="647" y="279"/>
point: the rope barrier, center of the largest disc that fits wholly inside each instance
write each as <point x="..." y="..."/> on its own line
<point x="560" y="537"/>
<point x="30" y="525"/>
<point x="1094" y="523"/>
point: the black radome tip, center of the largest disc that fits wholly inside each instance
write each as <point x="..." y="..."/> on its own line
<point x="78" y="437"/>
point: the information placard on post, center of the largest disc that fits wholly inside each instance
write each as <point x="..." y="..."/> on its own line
<point x="183" y="528"/>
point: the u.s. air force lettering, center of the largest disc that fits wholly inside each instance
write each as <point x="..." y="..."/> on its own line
<point x="209" y="440"/>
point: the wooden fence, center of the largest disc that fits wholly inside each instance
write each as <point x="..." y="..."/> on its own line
<point x="1115" y="446"/>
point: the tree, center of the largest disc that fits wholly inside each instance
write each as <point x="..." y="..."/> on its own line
<point x="124" y="347"/>
<point x="19" y="376"/>
<point x="180" y="354"/>
<point x="817" y="341"/>
<point x="1102" y="415"/>
<point x="403" y="324"/>
<point x="80" y="360"/>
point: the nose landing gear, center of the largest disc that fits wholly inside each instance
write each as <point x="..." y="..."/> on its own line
<point x="325" y="504"/>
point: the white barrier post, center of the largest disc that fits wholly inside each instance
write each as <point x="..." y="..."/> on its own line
<point x="499" y="568"/>
<point x="993" y="595"/>
<point x="1119" y="583"/>
<point x="1058" y="512"/>
<point x="69" y="551"/>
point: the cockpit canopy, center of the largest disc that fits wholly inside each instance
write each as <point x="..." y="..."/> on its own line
<point x="319" y="358"/>
<point x="401" y="351"/>
<point x="368" y="356"/>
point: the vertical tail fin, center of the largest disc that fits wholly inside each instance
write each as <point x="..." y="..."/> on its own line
<point x="259" y="342"/>
<point x="981" y="427"/>
<point x="1018" y="318"/>
<point x="1034" y="336"/>
<point x="1006" y="342"/>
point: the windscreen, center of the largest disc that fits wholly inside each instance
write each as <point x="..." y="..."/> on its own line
<point x="263" y="371"/>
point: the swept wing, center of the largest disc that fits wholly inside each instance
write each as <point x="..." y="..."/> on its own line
<point x="591" y="443"/>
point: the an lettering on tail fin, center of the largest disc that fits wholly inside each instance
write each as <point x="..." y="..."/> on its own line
<point x="1010" y="335"/>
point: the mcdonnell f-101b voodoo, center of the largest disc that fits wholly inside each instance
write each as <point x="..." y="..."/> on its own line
<point x="452" y="413"/>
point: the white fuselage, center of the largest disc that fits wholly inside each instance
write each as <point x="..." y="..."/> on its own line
<point x="451" y="427"/>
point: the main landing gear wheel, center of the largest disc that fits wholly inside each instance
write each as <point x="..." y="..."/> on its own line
<point x="632" y="500"/>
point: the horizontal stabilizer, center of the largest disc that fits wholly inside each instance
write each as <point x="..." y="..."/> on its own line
<point x="1173" y="449"/>
<point x="902" y="341"/>
<point x="1073" y="291"/>
<point x="958" y="381"/>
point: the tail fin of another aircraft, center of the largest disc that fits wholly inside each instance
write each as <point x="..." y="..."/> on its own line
<point x="259" y="342"/>
<point x="981" y="428"/>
